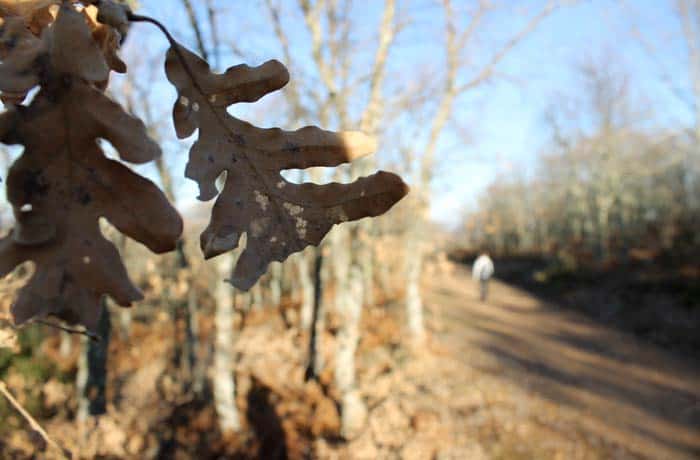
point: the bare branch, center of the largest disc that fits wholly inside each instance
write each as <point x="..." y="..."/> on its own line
<point x="214" y="30"/>
<point x="455" y="42"/>
<point x="298" y="110"/>
<point x="387" y="33"/>
<point x="488" y="70"/>
<point x="194" y="23"/>
<point x="32" y="422"/>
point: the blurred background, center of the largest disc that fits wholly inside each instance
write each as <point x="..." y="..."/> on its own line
<point x="558" y="137"/>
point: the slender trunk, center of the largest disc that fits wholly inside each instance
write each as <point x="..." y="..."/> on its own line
<point x="414" y="254"/>
<point x="307" y="290"/>
<point x="224" y="380"/>
<point x="340" y="242"/>
<point x="385" y="259"/>
<point x="185" y="356"/>
<point x="66" y="346"/>
<point x="318" y="322"/>
<point x="275" y="284"/>
<point x="125" y="320"/>
<point x="353" y="410"/>
<point x="91" y="380"/>
<point x="414" y="302"/>
<point x="256" y="297"/>
<point x="384" y="278"/>
<point x="366" y="262"/>
<point x="198" y="369"/>
<point x="189" y="355"/>
<point x="121" y="241"/>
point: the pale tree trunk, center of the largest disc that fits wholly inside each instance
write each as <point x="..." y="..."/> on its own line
<point x="368" y="262"/>
<point x="66" y="346"/>
<point x="125" y="320"/>
<point x="340" y="242"/>
<point x="353" y="410"/>
<point x="224" y="380"/>
<point x="275" y="284"/>
<point x="384" y="279"/>
<point x="256" y="297"/>
<point x="414" y="301"/>
<point x="91" y="379"/>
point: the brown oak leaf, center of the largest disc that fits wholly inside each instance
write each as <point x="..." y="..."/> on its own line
<point x="19" y="51"/>
<point x="26" y="9"/>
<point x="67" y="47"/>
<point x="60" y="187"/>
<point x="278" y="217"/>
<point x="107" y="37"/>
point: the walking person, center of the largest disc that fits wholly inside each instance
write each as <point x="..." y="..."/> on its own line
<point x="482" y="271"/>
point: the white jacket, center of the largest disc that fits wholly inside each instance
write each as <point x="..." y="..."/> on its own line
<point x="483" y="268"/>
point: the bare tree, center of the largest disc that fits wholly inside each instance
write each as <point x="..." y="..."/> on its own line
<point x="456" y="80"/>
<point x="684" y="84"/>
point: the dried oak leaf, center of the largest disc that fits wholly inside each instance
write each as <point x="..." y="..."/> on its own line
<point x="111" y="13"/>
<point x="26" y="9"/>
<point x="278" y="217"/>
<point x="108" y="38"/>
<point x="66" y="47"/>
<point x="19" y="52"/>
<point x="60" y="187"/>
<point x="36" y="15"/>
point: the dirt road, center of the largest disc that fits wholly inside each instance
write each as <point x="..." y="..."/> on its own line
<point x="581" y="379"/>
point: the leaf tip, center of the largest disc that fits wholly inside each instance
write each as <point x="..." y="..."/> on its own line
<point x="358" y="144"/>
<point x="214" y="244"/>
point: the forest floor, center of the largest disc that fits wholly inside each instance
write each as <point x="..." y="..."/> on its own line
<point x="512" y="378"/>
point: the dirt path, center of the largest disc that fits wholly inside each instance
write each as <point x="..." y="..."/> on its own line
<point x="628" y="394"/>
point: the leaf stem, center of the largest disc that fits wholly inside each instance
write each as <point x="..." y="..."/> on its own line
<point x="173" y="44"/>
<point x="90" y="335"/>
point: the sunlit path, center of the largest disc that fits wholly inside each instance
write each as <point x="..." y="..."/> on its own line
<point x="626" y="392"/>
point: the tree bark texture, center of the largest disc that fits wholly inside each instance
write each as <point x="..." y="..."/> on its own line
<point x="353" y="409"/>
<point x="224" y="379"/>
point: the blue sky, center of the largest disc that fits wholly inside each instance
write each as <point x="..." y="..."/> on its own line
<point x="509" y="127"/>
<point x="496" y="130"/>
<point x="499" y="129"/>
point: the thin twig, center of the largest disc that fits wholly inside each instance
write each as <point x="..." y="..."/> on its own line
<point x="214" y="33"/>
<point x="32" y="422"/>
<point x="192" y="16"/>
<point x="88" y="334"/>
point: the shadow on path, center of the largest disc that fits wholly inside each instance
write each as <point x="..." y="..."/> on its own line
<point x="627" y="391"/>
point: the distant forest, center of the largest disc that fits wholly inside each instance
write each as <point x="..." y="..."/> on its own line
<point x="608" y="189"/>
